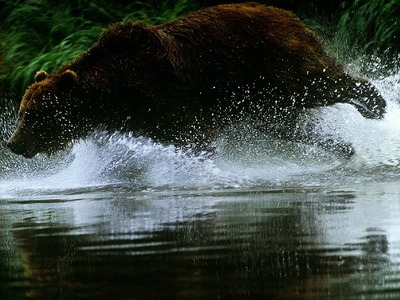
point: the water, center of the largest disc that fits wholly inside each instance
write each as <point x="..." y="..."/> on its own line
<point x="122" y="217"/>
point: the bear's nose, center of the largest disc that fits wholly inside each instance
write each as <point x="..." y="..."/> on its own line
<point x="21" y="148"/>
<point x="15" y="147"/>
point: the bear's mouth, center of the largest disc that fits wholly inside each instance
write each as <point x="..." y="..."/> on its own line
<point x="28" y="146"/>
<point x="30" y="154"/>
<point x="34" y="151"/>
<point x="21" y="149"/>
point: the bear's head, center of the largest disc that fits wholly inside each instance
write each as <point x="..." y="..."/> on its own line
<point x="46" y="114"/>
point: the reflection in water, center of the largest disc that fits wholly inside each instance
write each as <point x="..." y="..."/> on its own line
<point x="201" y="244"/>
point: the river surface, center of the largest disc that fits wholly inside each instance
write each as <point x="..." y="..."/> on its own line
<point x="122" y="217"/>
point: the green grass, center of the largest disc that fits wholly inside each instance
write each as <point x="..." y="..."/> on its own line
<point x="371" y="27"/>
<point x="43" y="35"/>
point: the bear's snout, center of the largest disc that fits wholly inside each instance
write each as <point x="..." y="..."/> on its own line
<point x="20" y="149"/>
<point x="21" y="144"/>
<point x="14" y="147"/>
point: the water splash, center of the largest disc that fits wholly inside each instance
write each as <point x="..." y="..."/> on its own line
<point x="377" y="142"/>
<point x="244" y="157"/>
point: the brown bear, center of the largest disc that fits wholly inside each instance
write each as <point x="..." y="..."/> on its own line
<point x="181" y="81"/>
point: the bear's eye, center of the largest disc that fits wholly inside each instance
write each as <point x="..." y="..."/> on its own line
<point x="39" y="117"/>
<point x="33" y="116"/>
<point x="29" y="116"/>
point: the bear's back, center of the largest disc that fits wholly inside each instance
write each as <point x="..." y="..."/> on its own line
<point x="238" y="42"/>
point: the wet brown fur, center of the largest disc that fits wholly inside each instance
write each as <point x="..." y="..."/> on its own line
<point x="191" y="74"/>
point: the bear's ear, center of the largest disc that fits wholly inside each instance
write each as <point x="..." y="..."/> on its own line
<point x="69" y="78"/>
<point x="40" y="76"/>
